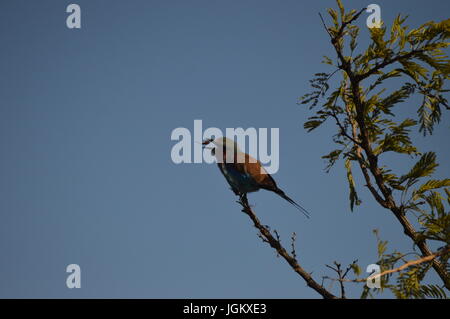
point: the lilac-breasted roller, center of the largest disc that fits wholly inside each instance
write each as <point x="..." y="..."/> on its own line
<point x="244" y="173"/>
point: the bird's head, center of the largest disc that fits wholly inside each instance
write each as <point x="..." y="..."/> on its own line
<point x="222" y="143"/>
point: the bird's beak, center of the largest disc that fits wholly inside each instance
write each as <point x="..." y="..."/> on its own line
<point x="207" y="142"/>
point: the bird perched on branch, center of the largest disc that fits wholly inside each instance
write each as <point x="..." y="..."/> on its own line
<point x="244" y="173"/>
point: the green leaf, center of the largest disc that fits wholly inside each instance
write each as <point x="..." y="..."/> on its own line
<point x="424" y="167"/>
<point x="354" y="31"/>
<point x="356" y="269"/>
<point x="327" y="60"/>
<point x="341" y="8"/>
<point x="334" y="16"/>
<point x="434" y="200"/>
<point x="398" y="140"/>
<point x="312" y="124"/>
<point x="381" y="247"/>
<point x="433" y="291"/>
<point x="354" y="199"/>
<point x="414" y="69"/>
<point x="385" y="76"/>
<point x="447" y="191"/>
<point x="433" y="184"/>
<point x="332" y="157"/>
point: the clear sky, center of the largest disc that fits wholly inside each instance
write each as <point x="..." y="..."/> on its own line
<point x="86" y="173"/>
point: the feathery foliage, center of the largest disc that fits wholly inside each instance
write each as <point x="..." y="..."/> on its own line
<point x="398" y="67"/>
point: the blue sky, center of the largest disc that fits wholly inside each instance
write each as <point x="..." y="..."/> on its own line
<point x="85" y="123"/>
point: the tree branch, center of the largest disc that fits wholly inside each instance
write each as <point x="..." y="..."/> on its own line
<point x="387" y="62"/>
<point x="410" y="263"/>
<point x="341" y="274"/>
<point x="360" y="157"/>
<point x="275" y="243"/>
<point x="338" y="270"/>
<point x="342" y="128"/>
<point x="358" y="122"/>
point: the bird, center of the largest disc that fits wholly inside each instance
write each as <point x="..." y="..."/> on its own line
<point x="244" y="173"/>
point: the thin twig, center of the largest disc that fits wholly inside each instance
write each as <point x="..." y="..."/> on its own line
<point x="324" y="25"/>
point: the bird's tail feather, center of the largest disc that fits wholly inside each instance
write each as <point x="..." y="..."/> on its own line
<point x="290" y="200"/>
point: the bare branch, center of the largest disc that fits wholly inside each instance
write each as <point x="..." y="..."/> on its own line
<point x="341" y="274"/>
<point x="324" y="25"/>
<point x="276" y="244"/>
